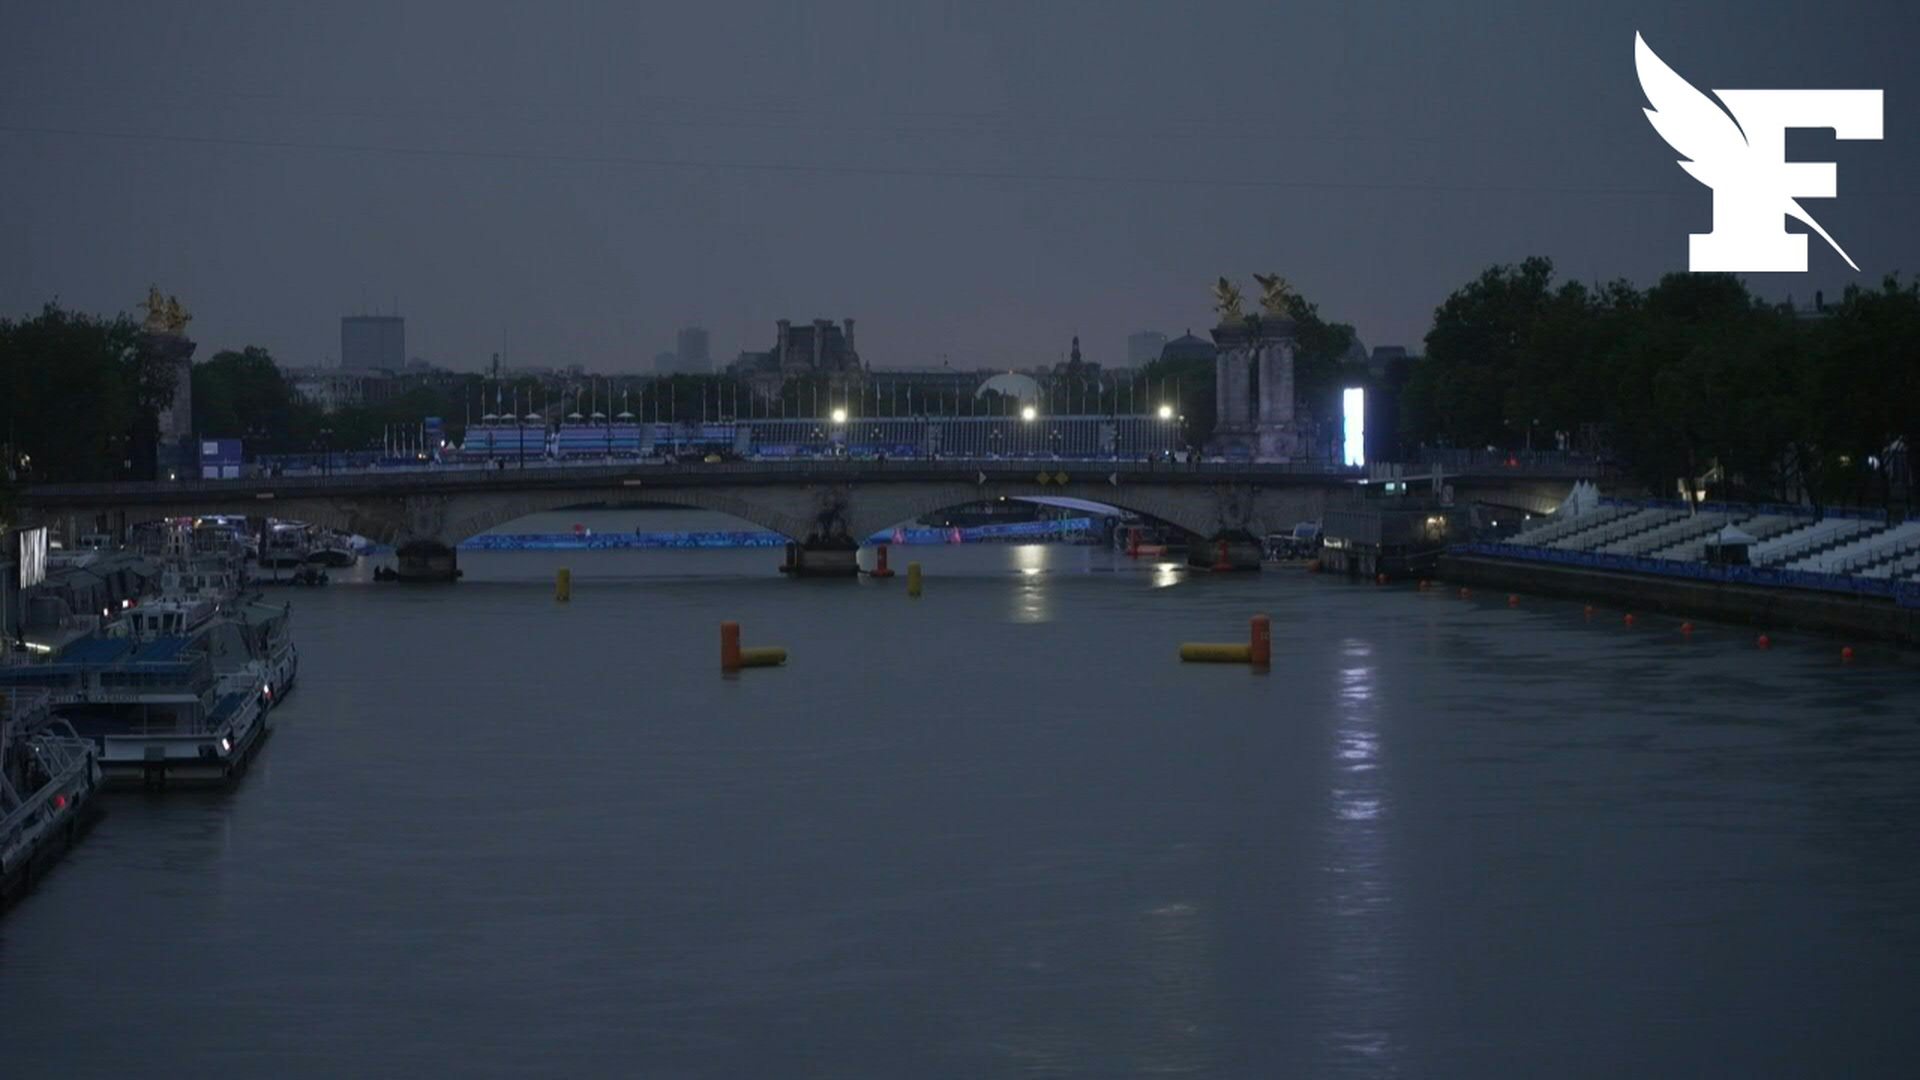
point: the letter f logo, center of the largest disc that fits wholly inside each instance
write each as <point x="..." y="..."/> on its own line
<point x="1743" y="158"/>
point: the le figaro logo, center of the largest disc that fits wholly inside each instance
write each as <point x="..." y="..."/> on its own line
<point x="1741" y="153"/>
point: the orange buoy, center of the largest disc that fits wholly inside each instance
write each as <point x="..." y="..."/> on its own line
<point x="729" y="646"/>
<point x="1379" y="579"/>
<point x="1761" y="642"/>
<point x="1628" y="618"/>
<point x="1463" y="592"/>
<point x="1846" y="654"/>
<point x="1513" y="599"/>
<point x="1588" y="612"/>
<point x="880" y="569"/>
<point x="1686" y="628"/>
<point x="1260" y="638"/>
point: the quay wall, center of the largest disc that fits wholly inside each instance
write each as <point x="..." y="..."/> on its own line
<point x="1766" y="606"/>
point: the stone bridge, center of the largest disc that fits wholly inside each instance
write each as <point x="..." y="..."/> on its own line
<point x="830" y="503"/>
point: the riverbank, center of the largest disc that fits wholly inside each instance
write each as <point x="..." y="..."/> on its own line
<point x="1767" y="606"/>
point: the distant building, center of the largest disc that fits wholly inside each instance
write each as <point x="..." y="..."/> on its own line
<point x="373" y="343"/>
<point x="1144" y="347"/>
<point x="1383" y="358"/>
<point x="690" y="347"/>
<point x="1188" y="347"/>
<point x="330" y="389"/>
<point x="819" y="349"/>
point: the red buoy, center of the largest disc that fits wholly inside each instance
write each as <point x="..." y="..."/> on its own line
<point x="1761" y="642"/>
<point x="1513" y="599"/>
<point x="1846" y="654"/>
<point x="1686" y="628"/>
<point x="1628" y="618"/>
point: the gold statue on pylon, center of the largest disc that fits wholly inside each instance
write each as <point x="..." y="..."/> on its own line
<point x="1226" y="301"/>
<point x="1276" y="296"/>
<point x="164" y="313"/>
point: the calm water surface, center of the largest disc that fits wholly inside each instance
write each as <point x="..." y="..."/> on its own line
<point x="999" y="831"/>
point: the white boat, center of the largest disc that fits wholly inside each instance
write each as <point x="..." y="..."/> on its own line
<point x="48" y="777"/>
<point x="332" y="549"/>
<point x="156" y="710"/>
<point x="287" y="546"/>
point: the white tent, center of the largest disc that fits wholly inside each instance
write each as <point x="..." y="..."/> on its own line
<point x="1583" y="499"/>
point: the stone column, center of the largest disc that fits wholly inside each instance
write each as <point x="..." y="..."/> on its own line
<point x="1276" y="382"/>
<point x="1278" y="431"/>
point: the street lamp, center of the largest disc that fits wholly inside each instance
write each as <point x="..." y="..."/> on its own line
<point x="839" y="416"/>
<point x="1028" y="413"/>
<point x="1166" y="412"/>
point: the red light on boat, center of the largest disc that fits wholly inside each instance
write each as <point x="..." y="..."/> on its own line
<point x="60" y="800"/>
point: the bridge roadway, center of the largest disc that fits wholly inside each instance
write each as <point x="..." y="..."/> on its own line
<point x="820" y="503"/>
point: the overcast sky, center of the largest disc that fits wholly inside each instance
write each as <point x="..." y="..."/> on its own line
<point x="971" y="181"/>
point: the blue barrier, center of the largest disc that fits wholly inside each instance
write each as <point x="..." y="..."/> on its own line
<point x="1903" y="593"/>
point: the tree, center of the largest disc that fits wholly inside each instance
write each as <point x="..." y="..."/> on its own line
<point x="244" y="395"/>
<point x="76" y="394"/>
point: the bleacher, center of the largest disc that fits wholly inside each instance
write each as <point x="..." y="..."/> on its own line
<point x="1864" y="551"/>
<point x="1811" y="539"/>
<point x="1902" y="568"/>
<point x="1761" y="527"/>
<point x="1687" y="528"/>
<point x="1808" y="551"/>
<point x="1633" y="524"/>
<point x="1558" y="528"/>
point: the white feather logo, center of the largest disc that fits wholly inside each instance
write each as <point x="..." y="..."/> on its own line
<point x="1705" y="133"/>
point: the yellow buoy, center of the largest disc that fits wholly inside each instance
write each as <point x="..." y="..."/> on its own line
<point x="733" y="657"/>
<point x="1207" y="652"/>
<point x="563" y="584"/>
<point x="763" y="656"/>
<point x="913" y="579"/>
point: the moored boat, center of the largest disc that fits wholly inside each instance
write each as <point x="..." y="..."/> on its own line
<point x="157" y="710"/>
<point x="48" y="779"/>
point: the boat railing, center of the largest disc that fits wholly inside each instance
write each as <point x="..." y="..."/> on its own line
<point x="60" y="753"/>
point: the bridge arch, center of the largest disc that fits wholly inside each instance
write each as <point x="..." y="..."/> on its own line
<point x="469" y="516"/>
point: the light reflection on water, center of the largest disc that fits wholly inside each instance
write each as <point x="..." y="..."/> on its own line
<point x="1362" y="974"/>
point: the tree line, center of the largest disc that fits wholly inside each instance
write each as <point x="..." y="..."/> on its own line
<point x="1693" y="381"/>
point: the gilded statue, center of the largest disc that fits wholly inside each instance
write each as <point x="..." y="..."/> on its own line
<point x="1226" y="301"/>
<point x="1276" y="296"/>
<point x="164" y="313"/>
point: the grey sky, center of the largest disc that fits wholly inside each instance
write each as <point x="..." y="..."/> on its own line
<point x="978" y="181"/>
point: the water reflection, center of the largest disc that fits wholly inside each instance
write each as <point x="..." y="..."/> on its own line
<point x="1165" y="574"/>
<point x="1030" y="603"/>
<point x="1362" y="961"/>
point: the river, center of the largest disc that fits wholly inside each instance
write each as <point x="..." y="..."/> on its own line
<point x="1001" y="831"/>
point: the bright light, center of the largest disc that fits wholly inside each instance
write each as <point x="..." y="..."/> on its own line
<point x="225" y="745"/>
<point x="1166" y="412"/>
<point x="1353" y="407"/>
<point x="839" y="416"/>
<point x="1028" y="412"/>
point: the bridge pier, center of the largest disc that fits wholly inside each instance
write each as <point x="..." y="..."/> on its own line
<point x="426" y="561"/>
<point x="821" y="558"/>
<point x="1230" y="549"/>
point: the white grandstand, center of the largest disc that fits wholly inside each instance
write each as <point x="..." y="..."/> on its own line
<point x="1782" y="541"/>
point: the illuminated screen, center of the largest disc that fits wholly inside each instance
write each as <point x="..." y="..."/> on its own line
<point x="1353" y="407"/>
<point x="33" y="557"/>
